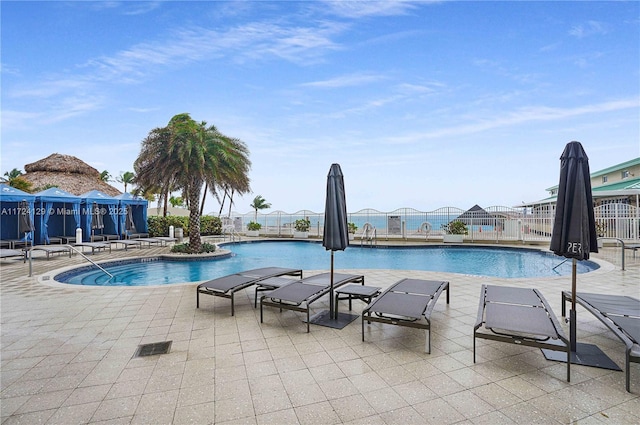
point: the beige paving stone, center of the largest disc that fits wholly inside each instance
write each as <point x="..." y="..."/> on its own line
<point x="76" y="414"/>
<point x="66" y="356"/>
<point x="316" y="414"/>
<point x="197" y="414"/>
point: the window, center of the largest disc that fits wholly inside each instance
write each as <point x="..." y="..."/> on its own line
<point x="604" y="179"/>
<point x="625" y="174"/>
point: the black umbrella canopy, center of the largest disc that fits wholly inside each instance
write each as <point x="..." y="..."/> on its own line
<point x="336" y="235"/>
<point x="574" y="228"/>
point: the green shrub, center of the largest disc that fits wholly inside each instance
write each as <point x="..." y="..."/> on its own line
<point x="184" y="248"/>
<point x="254" y="226"/>
<point x="455" y="228"/>
<point x="302" y="225"/>
<point x="159" y="226"/>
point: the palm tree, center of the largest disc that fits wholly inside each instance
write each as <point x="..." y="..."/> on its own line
<point x="184" y="156"/>
<point x="126" y="178"/>
<point x="21" y="184"/>
<point x="176" y="201"/>
<point x="105" y="176"/>
<point x="259" y="203"/>
<point x="11" y="175"/>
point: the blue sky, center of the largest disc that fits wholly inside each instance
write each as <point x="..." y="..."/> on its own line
<point x="423" y="104"/>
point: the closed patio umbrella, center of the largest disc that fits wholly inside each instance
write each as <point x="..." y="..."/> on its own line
<point x="25" y="223"/>
<point x="97" y="221"/>
<point x="335" y="238"/>
<point x="130" y="226"/>
<point x="574" y="236"/>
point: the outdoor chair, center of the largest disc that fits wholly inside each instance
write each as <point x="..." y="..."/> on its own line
<point x="95" y="246"/>
<point x="50" y="249"/>
<point x="227" y="286"/>
<point x="406" y="303"/>
<point x="9" y="253"/>
<point x="126" y="243"/>
<point x="300" y="294"/>
<point x="519" y="316"/>
<point x="619" y="313"/>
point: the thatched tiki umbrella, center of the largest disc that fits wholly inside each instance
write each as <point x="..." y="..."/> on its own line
<point x="68" y="173"/>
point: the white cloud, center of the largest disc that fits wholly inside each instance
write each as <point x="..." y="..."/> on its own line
<point x="588" y="29"/>
<point x="521" y="116"/>
<point x="350" y="80"/>
<point x="364" y="8"/>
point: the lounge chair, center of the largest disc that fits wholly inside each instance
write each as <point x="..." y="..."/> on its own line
<point x="66" y="239"/>
<point x="95" y="246"/>
<point x="519" y="316"/>
<point x="300" y="294"/>
<point x="632" y="246"/>
<point x="619" y="313"/>
<point x="405" y="303"/>
<point x="51" y="249"/>
<point x="8" y="253"/>
<point x="165" y="240"/>
<point x="102" y="237"/>
<point x="126" y="243"/>
<point x="227" y="286"/>
<point x="149" y="241"/>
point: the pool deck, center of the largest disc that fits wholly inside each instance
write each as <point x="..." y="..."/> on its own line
<point x="66" y="357"/>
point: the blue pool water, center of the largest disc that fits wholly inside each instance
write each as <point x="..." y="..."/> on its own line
<point x="498" y="262"/>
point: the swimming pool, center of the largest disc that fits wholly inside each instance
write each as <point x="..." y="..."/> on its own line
<point x="482" y="261"/>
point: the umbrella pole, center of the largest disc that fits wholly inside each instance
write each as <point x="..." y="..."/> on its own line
<point x="572" y="314"/>
<point x="331" y="310"/>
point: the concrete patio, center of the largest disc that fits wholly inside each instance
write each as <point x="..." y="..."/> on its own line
<point x="67" y="357"/>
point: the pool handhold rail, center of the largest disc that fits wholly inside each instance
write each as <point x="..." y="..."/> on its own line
<point x="81" y="254"/>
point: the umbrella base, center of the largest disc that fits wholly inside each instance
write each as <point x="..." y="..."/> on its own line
<point x="585" y="355"/>
<point x="324" y="319"/>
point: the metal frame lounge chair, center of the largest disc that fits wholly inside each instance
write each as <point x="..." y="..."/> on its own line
<point x="405" y="303"/>
<point x="149" y="241"/>
<point x="165" y="240"/>
<point x="300" y="294"/>
<point x="94" y="246"/>
<point x="619" y="313"/>
<point x="50" y="249"/>
<point x="126" y="243"/>
<point x="9" y="253"/>
<point x="227" y="286"/>
<point x="519" y="316"/>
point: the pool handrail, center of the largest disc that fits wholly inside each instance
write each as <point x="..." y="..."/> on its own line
<point x="77" y="251"/>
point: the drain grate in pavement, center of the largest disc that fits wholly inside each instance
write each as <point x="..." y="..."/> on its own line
<point x="153" y="349"/>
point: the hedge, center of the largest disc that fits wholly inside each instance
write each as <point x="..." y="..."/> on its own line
<point x="159" y="226"/>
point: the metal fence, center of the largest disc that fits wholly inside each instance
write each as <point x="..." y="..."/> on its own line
<point x="489" y="224"/>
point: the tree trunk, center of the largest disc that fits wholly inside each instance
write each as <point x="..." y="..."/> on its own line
<point x="204" y="196"/>
<point x="195" y="243"/>
<point x="230" y="202"/>
<point x="224" y="196"/>
<point x="166" y="202"/>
